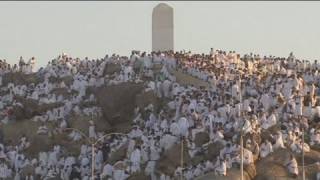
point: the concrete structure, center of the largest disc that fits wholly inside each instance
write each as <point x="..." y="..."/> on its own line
<point x="162" y="28"/>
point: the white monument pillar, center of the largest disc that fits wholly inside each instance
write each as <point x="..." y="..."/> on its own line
<point x="162" y="28"/>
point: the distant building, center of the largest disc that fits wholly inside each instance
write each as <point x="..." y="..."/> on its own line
<point x="162" y="28"/>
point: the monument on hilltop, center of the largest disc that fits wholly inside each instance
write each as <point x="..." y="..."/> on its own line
<point x="162" y="28"/>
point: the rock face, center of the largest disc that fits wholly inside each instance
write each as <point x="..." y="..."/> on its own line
<point x="311" y="166"/>
<point x="118" y="103"/>
<point x="232" y="174"/>
<point x="111" y="68"/>
<point x="139" y="176"/>
<point x="68" y="80"/>
<point x="171" y="159"/>
<point x="214" y="150"/>
<point x="146" y="98"/>
<point x="272" y="166"/>
<point x="30" y="108"/>
<point x="118" y="155"/>
<point x="19" y="78"/>
<point x="201" y="138"/>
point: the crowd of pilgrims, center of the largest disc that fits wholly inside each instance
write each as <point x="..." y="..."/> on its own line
<point x="246" y="95"/>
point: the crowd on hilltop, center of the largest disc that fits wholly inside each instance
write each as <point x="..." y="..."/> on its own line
<point x="246" y="95"/>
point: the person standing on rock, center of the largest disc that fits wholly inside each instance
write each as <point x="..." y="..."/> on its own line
<point x="21" y="64"/>
<point x="292" y="166"/>
<point x="92" y="131"/>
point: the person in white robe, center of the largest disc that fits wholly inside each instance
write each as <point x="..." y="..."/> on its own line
<point x="199" y="170"/>
<point x="120" y="174"/>
<point x="315" y="137"/>
<point x="144" y="151"/>
<point x="19" y="163"/>
<point x="265" y="100"/>
<point x="221" y="167"/>
<point x="217" y="136"/>
<point x="175" y="128"/>
<point x="40" y="171"/>
<point x="235" y="91"/>
<point x="135" y="132"/>
<point x="226" y="150"/>
<point x="247" y="157"/>
<point x="99" y="159"/>
<point x="53" y="159"/>
<point x="265" y="149"/>
<point x="3" y="171"/>
<point x="92" y="131"/>
<point x="135" y="159"/>
<point x="35" y="95"/>
<point x="65" y="173"/>
<point x="298" y="145"/>
<point x="292" y="166"/>
<point x="247" y="127"/>
<point x="43" y="130"/>
<point x="107" y="171"/>
<point x="166" y="88"/>
<point x="208" y="166"/>
<point x="164" y="125"/>
<point x="75" y="136"/>
<point x="150" y="170"/>
<point x="24" y="143"/>
<point x="183" y="126"/>
<point x="11" y="156"/>
<point x="270" y="121"/>
<point x="278" y="141"/>
<point x="167" y="141"/>
<point x="32" y="63"/>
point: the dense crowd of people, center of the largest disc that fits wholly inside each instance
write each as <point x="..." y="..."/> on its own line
<point x="246" y="96"/>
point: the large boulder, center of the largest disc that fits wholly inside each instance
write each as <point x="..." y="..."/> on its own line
<point x="266" y="134"/>
<point x="232" y="174"/>
<point x="309" y="157"/>
<point x="118" y="155"/>
<point x="214" y="150"/>
<point x="68" y="80"/>
<point x="201" y="138"/>
<point x="271" y="167"/>
<point x="31" y="108"/>
<point x="171" y="159"/>
<point x="118" y="103"/>
<point x="275" y="168"/>
<point x="138" y="176"/>
<point x="19" y="78"/>
<point x="111" y="68"/>
<point x="185" y="79"/>
<point x="311" y="171"/>
<point x="143" y="99"/>
<point x="310" y="161"/>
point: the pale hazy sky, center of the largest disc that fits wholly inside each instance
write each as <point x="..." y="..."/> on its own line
<point x="93" y="29"/>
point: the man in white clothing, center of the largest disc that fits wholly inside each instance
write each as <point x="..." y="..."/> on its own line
<point x="265" y="149"/>
<point x="183" y="126"/>
<point x="107" y="171"/>
<point x="92" y="132"/>
<point x="135" y="159"/>
<point x="292" y="166"/>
